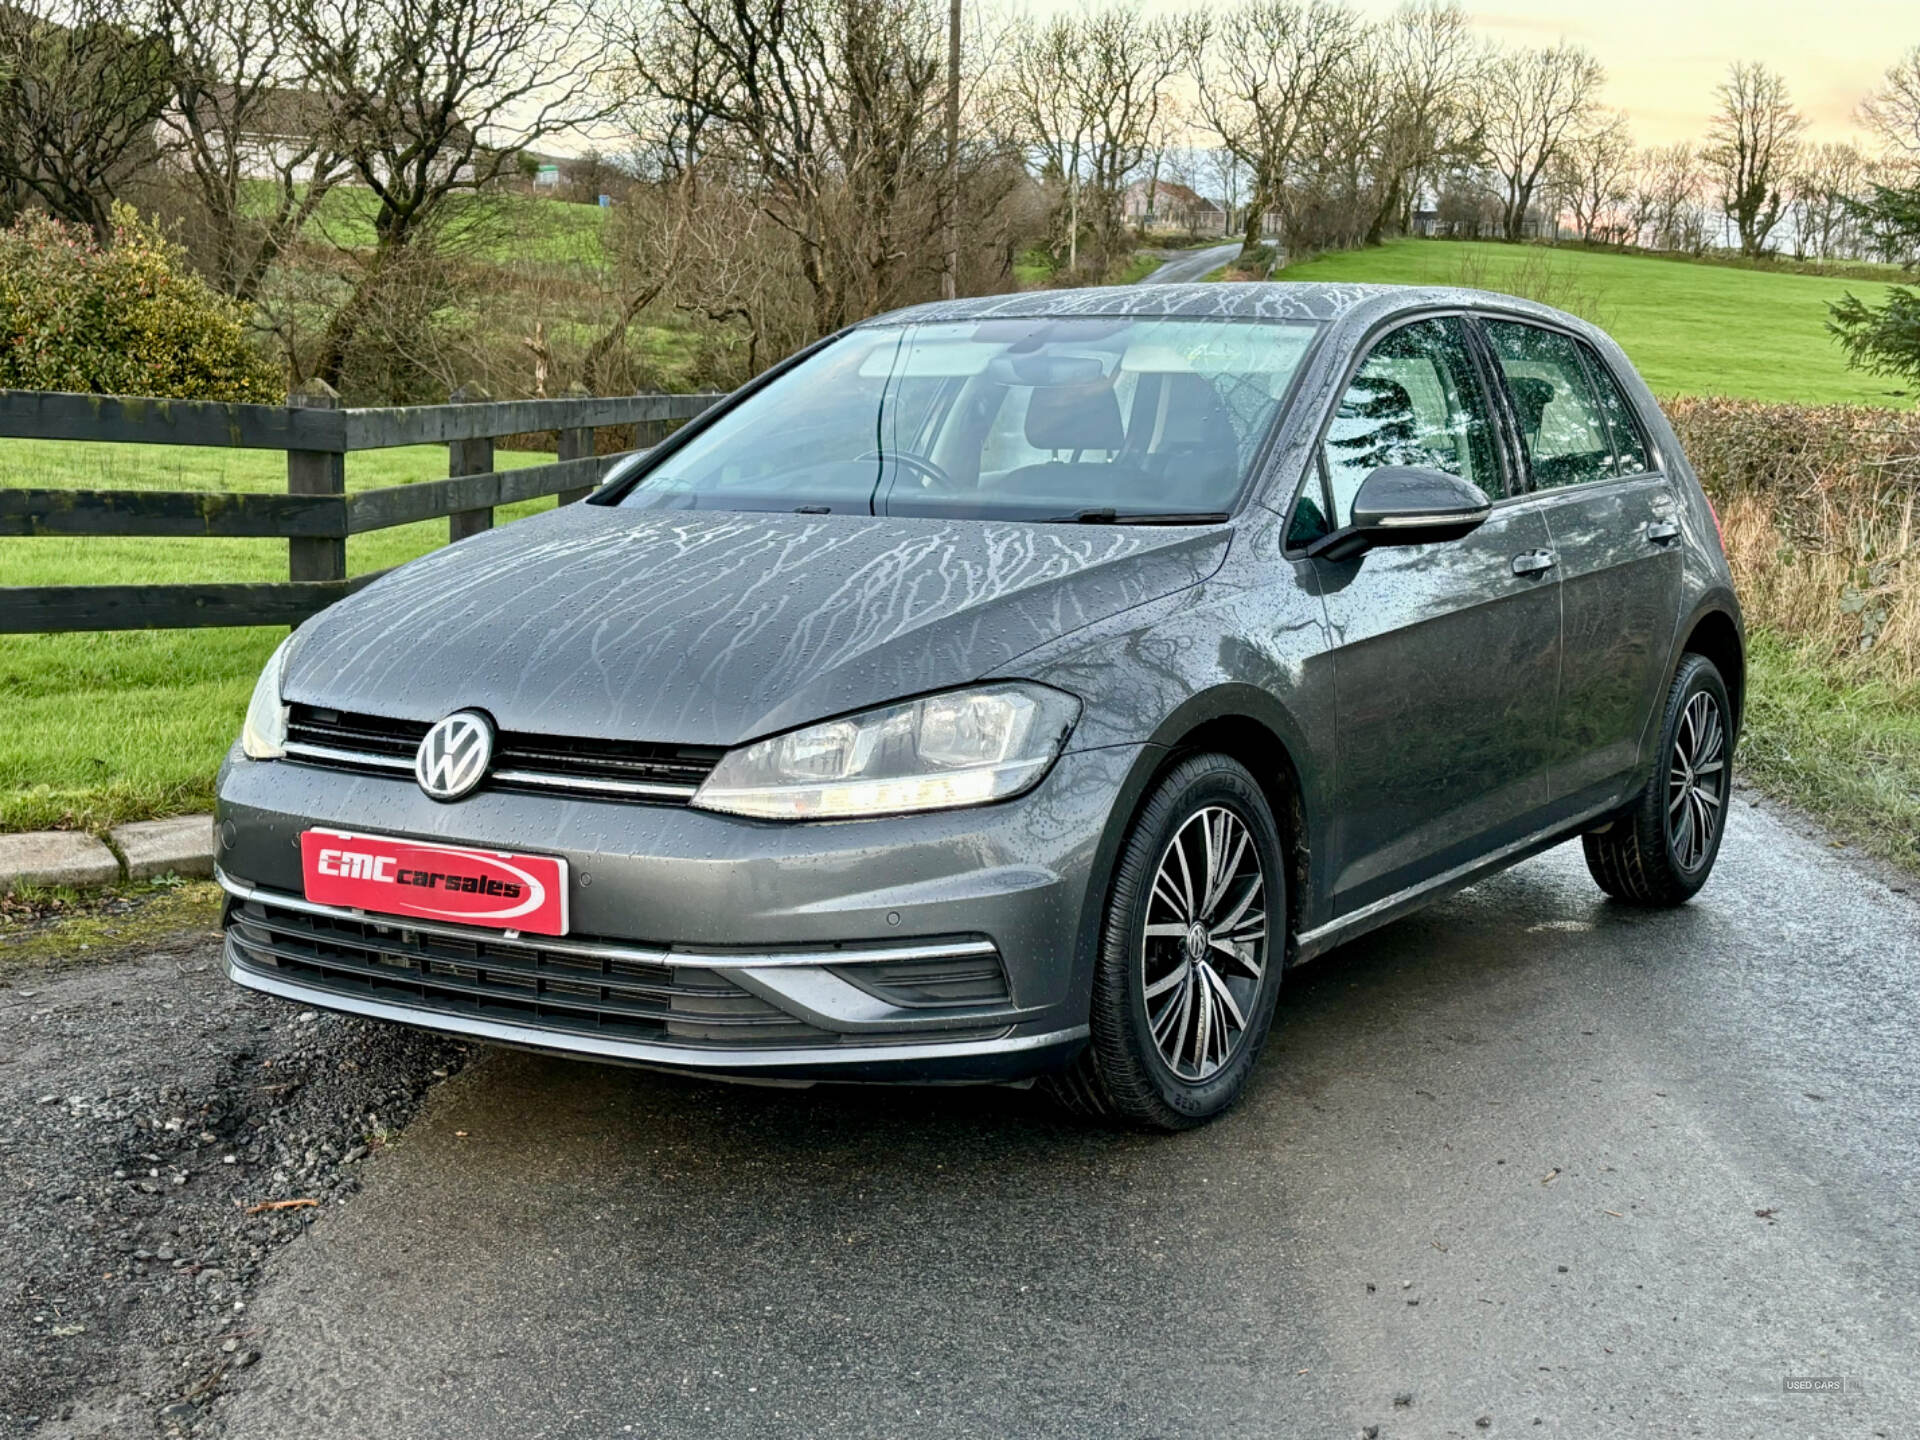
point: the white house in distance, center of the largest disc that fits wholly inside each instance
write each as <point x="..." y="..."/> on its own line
<point x="1164" y="205"/>
<point x="276" y="137"/>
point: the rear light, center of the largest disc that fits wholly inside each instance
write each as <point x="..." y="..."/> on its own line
<point x="1720" y="534"/>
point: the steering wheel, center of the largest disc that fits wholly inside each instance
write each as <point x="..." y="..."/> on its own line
<point x="929" y="471"/>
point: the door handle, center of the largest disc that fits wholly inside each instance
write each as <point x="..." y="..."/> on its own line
<point x="1660" y="532"/>
<point x="1534" y="562"/>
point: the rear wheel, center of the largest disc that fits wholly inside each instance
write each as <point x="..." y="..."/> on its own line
<point x="1190" y="953"/>
<point x="1661" y="850"/>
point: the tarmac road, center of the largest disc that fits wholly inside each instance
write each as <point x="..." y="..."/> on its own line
<point x="1529" y="1163"/>
<point x="1188" y="265"/>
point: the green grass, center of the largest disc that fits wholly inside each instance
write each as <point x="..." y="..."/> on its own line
<point x="103" y="727"/>
<point x="1691" y="329"/>
<point x="1847" y="754"/>
<point x="61" y="928"/>
<point x="502" y="226"/>
<point x="1036" y="268"/>
<point x="1138" y="266"/>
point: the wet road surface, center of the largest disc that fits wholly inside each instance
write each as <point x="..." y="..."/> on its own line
<point x="1193" y="265"/>
<point x="1529" y="1159"/>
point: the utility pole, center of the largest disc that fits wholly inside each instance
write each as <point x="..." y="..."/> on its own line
<point x="950" y="269"/>
<point x="1073" y="217"/>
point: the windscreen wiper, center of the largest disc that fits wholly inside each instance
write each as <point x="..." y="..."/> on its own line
<point x="1111" y="516"/>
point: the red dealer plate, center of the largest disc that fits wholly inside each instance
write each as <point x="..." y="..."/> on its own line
<point x="436" y="882"/>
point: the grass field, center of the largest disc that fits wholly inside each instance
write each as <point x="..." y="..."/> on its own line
<point x="99" y="728"/>
<point x="502" y="226"/>
<point x="1692" y="329"/>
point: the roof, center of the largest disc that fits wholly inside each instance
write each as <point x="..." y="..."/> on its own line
<point x="1272" y="300"/>
<point x="1173" y="190"/>
<point x="1268" y="300"/>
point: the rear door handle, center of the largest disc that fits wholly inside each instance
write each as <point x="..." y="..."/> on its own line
<point x="1662" y="531"/>
<point x="1534" y="562"/>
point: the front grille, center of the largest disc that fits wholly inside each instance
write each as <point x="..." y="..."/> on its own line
<point x="517" y="982"/>
<point x="522" y="760"/>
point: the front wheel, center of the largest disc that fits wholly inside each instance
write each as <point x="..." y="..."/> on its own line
<point x="1661" y="850"/>
<point x="1190" y="953"/>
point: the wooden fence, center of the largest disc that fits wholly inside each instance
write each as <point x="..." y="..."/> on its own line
<point x="316" y="515"/>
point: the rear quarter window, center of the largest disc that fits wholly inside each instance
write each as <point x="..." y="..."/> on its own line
<point x="1630" y="452"/>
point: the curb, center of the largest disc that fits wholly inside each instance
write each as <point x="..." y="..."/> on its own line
<point x="181" y="846"/>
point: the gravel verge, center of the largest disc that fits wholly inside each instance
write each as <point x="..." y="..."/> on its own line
<point x="155" y="1121"/>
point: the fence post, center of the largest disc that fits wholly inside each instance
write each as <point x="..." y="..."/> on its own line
<point x="316" y="472"/>
<point x="469" y="457"/>
<point x="575" y="443"/>
<point x="648" y="433"/>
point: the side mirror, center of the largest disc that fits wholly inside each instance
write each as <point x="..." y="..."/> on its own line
<point x="1406" y="505"/>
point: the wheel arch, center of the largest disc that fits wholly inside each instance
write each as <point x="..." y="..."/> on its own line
<point x="1717" y="635"/>
<point x="1247" y="724"/>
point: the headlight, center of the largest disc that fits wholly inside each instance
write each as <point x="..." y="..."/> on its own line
<point x="962" y="748"/>
<point x="264" y="735"/>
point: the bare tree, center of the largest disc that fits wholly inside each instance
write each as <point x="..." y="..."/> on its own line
<point x="1344" y="183"/>
<point x="833" y="109"/>
<point x="1667" y="199"/>
<point x="81" y="87"/>
<point x="259" y="147"/>
<point x="1264" y="67"/>
<point x="434" y="97"/>
<point x="1591" y="176"/>
<point x="1227" y="175"/>
<point x="1892" y="110"/>
<point x="1436" y="64"/>
<point x="1534" y="100"/>
<point x="1090" y="90"/>
<point x="1825" y="188"/>
<point x="1751" y="145"/>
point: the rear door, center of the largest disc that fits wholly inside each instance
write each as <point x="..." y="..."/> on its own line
<point x="1615" y="533"/>
<point x="1445" y="656"/>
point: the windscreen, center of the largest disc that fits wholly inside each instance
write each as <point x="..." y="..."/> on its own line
<point x="1035" y="419"/>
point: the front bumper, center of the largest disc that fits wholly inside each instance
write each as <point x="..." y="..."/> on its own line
<point x="712" y="944"/>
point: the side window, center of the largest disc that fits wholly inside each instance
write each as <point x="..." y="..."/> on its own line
<point x="1560" y="424"/>
<point x="1416" y="400"/>
<point x="1629" y="447"/>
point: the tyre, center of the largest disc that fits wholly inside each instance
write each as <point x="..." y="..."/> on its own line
<point x="1190" y="953"/>
<point x="1661" y="849"/>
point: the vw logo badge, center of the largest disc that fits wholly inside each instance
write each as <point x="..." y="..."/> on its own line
<point x="454" y="755"/>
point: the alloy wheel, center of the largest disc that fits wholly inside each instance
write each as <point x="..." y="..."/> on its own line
<point x="1204" y="948"/>
<point x="1696" y="782"/>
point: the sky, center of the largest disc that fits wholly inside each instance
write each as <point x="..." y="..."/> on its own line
<point x="1664" y="57"/>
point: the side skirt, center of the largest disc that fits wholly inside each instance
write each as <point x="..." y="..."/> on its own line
<point x="1389" y="908"/>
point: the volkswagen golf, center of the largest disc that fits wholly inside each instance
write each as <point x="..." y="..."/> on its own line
<point x="1007" y="688"/>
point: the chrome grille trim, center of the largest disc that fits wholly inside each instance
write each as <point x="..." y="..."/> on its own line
<point x="543" y="781"/>
<point x="353" y="759"/>
<point x="633" y="954"/>
<point x="582" y="766"/>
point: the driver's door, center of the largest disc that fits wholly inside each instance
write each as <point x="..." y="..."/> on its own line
<point x="1446" y="656"/>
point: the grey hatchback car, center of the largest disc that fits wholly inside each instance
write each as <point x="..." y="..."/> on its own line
<point x="1007" y="688"/>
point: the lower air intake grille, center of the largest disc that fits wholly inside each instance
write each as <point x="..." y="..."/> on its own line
<point x="516" y="982"/>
